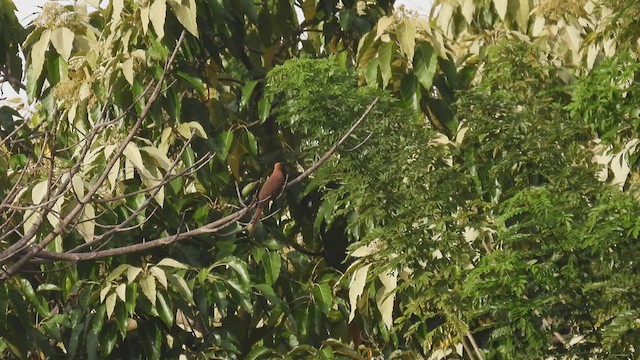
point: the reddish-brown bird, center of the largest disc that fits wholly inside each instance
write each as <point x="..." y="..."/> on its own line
<point x="269" y="192"/>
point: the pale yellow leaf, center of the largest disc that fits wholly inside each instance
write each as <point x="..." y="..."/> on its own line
<point x="128" y="170"/>
<point x="30" y="219"/>
<point x="62" y="41"/>
<point x="118" y="5"/>
<point x="159" y="274"/>
<point x="172" y="263"/>
<point x="78" y="186"/>
<point x="91" y="156"/>
<point x="592" y="55"/>
<point x="38" y="51"/>
<point x="385" y="296"/>
<point x="161" y="158"/>
<point x="121" y="290"/>
<point x="445" y="18"/>
<point x="132" y="273"/>
<point x="132" y="153"/>
<point x="356" y="287"/>
<point x="383" y="23"/>
<point x="621" y="170"/>
<point x="467" y="10"/>
<point x="573" y="38"/>
<point x="199" y="130"/>
<point x="103" y="293"/>
<point x="111" y="304"/>
<point x="112" y="177"/>
<point x="144" y="19"/>
<point x="371" y="248"/>
<point x="39" y="192"/>
<point x="54" y="215"/>
<point x="127" y="70"/>
<point x="538" y="26"/>
<point x="139" y="54"/>
<point x="87" y="224"/>
<point x="501" y="7"/>
<point x="406" y="33"/>
<point x="158" y="12"/>
<point x="148" y="286"/>
<point x="184" y="130"/>
<point x="56" y="244"/>
<point x="152" y="177"/>
<point x="186" y="14"/>
<point x="470" y="234"/>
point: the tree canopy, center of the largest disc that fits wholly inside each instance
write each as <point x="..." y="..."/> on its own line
<point x="463" y="186"/>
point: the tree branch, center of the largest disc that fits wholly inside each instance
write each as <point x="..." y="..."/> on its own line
<point x="45" y="256"/>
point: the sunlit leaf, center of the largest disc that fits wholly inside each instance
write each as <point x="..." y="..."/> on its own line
<point x="157" y="14"/>
<point x="185" y="11"/>
<point x="110" y="303"/>
<point x="62" y="40"/>
<point x="172" y="263"/>
<point x="159" y="274"/>
<point x="406" y="31"/>
<point x="356" y="287"/>
<point x="148" y="286"/>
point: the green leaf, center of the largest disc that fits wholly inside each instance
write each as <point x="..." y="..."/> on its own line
<point x="164" y="310"/>
<point x="241" y="294"/>
<point x="247" y="90"/>
<point x="259" y="351"/>
<point x="238" y="265"/>
<point x="193" y="80"/>
<point x="250" y="10"/>
<point x="253" y="143"/>
<point x="271" y="264"/>
<point x="264" y="108"/>
<point x="371" y="72"/>
<point x="410" y="92"/>
<point x="425" y="64"/>
<point x="322" y="296"/>
<point x="224" y="139"/>
<point x="182" y="286"/>
<point x="57" y="69"/>
<point x="384" y="55"/>
<point x="219" y="293"/>
<point x="268" y="293"/>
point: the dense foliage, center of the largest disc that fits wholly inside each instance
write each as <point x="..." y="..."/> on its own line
<point x="464" y="187"/>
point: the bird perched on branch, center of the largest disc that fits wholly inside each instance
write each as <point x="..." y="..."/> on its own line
<point x="269" y="192"/>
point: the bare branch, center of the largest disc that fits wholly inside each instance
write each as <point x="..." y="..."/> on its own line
<point x="333" y="149"/>
<point x="44" y="256"/>
<point x="73" y="213"/>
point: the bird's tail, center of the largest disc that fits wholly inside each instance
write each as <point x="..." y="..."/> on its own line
<point x="254" y="220"/>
